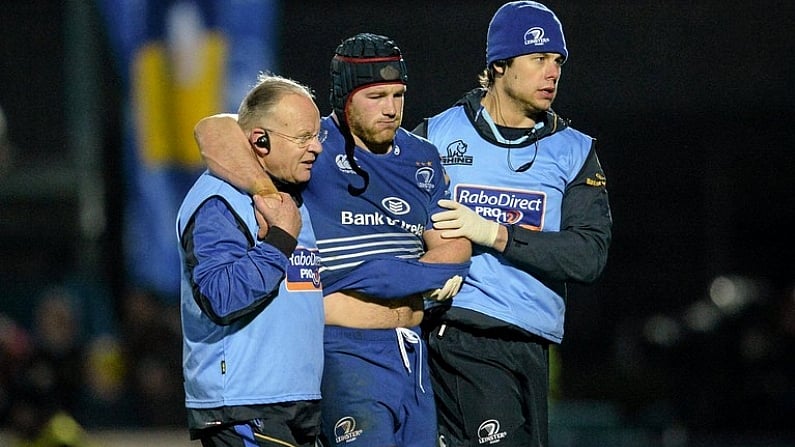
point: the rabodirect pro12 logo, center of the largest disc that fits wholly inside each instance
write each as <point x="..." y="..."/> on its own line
<point x="505" y="206"/>
<point x="303" y="272"/>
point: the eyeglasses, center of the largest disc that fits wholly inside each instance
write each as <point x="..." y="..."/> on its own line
<point x="303" y="141"/>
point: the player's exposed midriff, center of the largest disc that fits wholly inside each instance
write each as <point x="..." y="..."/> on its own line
<point x="356" y="311"/>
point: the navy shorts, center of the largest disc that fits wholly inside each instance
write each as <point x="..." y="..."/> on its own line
<point x="377" y="389"/>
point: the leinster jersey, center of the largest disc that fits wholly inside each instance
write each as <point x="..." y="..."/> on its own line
<point x="388" y="219"/>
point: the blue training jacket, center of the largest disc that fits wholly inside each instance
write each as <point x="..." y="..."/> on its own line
<point x="252" y="317"/>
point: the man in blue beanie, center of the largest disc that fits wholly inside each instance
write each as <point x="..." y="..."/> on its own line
<point x="529" y="193"/>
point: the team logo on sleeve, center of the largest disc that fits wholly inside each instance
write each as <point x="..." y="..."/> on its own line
<point x="424" y="177"/>
<point x="456" y="154"/>
<point x="506" y="206"/>
<point x="303" y="273"/>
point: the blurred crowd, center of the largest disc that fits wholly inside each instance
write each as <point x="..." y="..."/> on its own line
<point x="58" y="380"/>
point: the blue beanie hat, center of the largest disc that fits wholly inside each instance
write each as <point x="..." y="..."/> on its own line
<point x="524" y="27"/>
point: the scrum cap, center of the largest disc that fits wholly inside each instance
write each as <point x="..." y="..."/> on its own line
<point x="363" y="60"/>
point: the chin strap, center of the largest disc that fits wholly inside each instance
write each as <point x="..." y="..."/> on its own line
<point x="350" y="145"/>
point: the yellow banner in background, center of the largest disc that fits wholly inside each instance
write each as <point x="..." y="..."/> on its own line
<point x="173" y="87"/>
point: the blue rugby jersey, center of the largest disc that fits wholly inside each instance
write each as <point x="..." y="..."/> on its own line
<point x="363" y="239"/>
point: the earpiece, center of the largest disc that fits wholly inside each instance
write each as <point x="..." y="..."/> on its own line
<point x="263" y="142"/>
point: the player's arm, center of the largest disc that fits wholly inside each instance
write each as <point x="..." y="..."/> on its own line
<point x="439" y="272"/>
<point x="445" y="251"/>
<point x="227" y="152"/>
